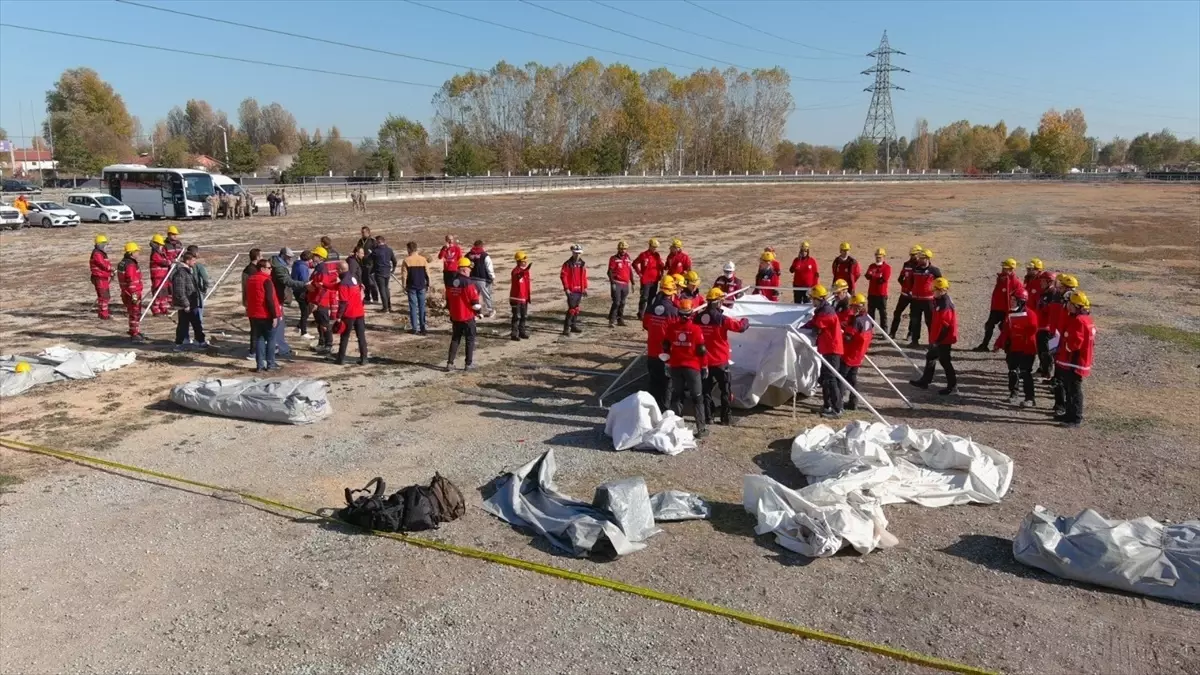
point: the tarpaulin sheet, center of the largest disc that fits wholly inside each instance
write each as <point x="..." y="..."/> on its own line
<point x="854" y="472"/>
<point x="287" y="400"/>
<point x="635" y="422"/>
<point x="770" y="365"/>
<point x="56" y="364"/>
<point x="673" y="505"/>
<point x="1139" y="556"/>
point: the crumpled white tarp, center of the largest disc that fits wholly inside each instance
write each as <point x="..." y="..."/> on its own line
<point x="288" y="400"/>
<point x="854" y="472"/>
<point x="770" y="364"/>
<point x="55" y="364"/>
<point x="673" y="505"/>
<point x="635" y="422"/>
<point x="1139" y="556"/>
<point x="620" y="517"/>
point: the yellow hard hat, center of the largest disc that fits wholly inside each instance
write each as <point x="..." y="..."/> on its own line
<point x="667" y="285"/>
<point x="692" y="277"/>
<point x="818" y="292"/>
<point x="840" y="285"/>
<point x="928" y="253"/>
<point x="520" y="256"/>
<point x="320" y="252"/>
<point x="845" y="246"/>
<point x="941" y="284"/>
<point x="916" y="250"/>
<point x="621" y="245"/>
<point x="1036" y="264"/>
<point x="858" y="299"/>
<point x="715" y="294"/>
<point x="653" y="243"/>
<point x="677" y="243"/>
<point x="881" y="251"/>
<point x="22" y="367"/>
<point x="805" y="246"/>
<point x="768" y="257"/>
<point x="101" y="239"/>
<point x="464" y="262"/>
<point x="1080" y="300"/>
<point x="171" y="229"/>
<point x="679" y="279"/>
<point x="131" y="247"/>
<point x="1068" y="280"/>
<point x="158" y="239"/>
<point x="1009" y="264"/>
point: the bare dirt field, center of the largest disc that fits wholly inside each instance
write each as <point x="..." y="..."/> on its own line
<point x="103" y="573"/>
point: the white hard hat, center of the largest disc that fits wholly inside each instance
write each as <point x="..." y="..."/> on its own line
<point x="576" y="248"/>
<point x="729" y="266"/>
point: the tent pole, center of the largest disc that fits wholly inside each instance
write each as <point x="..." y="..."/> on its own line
<point x="600" y="401"/>
<point x="889" y="339"/>
<point x="221" y="278"/>
<point x="890" y="384"/>
<point x="844" y="382"/>
<point x="154" y="297"/>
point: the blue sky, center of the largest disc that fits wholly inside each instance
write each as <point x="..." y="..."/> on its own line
<point x="1131" y="66"/>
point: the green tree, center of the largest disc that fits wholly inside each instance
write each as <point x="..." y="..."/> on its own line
<point x="3" y="134"/>
<point x="172" y="153"/>
<point x="1113" y="153"/>
<point x="268" y="155"/>
<point x="405" y="140"/>
<point x="242" y="157"/>
<point x="88" y="120"/>
<point x="861" y="154"/>
<point x="1059" y="143"/>
<point x="465" y="157"/>
<point x="310" y="161"/>
<point x="787" y="155"/>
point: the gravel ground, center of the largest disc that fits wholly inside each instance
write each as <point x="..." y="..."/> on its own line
<point x="106" y="574"/>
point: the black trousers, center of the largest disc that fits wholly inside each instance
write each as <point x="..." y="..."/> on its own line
<point x="462" y="329"/>
<point x="1020" y="370"/>
<point x="370" y="290"/>
<point x="939" y="354"/>
<point x="851" y="375"/>
<point x="648" y="291"/>
<point x="571" y="322"/>
<point x="324" y="332"/>
<point x="620" y="293"/>
<point x="799" y="297"/>
<point x="718" y="382"/>
<point x="922" y="310"/>
<point x="383" y="290"/>
<point x="1072" y="387"/>
<point x="877" y="307"/>
<point x="993" y="320"/>
<point x="831" y="388"/>
<point x="448" y="277"/>
<point x="359" y="326"/>
<point x="660" y="382"/>
<point x="901" y="305"/>
<point x="687" y="381"/>
<point x="1043" y="347"/>
<point x="189" y="318"/>
<point x="305" y="310"/>
<point x="520" y="319"/>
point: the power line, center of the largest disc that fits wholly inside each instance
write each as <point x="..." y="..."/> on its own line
<point x="221" y="57"/>
<point x="777" y="37"/>
<point x="546" y="37"/>
<point x="299" y="36"/>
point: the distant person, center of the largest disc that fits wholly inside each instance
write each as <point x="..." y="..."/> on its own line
<point x="483" y="275"/>
<point x="805" y="273"/>
<point x="302" y="271"/>
<point x="367" y="243"/>
<point x="414" y="276"/>
<point x="185" y="294"/>
<point x="352" y="315"/>
<point x="830" y="343"/>
<point x="845" y="267"/>
<point x="129" y="278"/>
<point x="450" y="254"/>
<point x="650" y="268"/>
<point x="906" y="283"/>
<point x="383" y="262"/>
<point x="264" y="312"/>
<point x="202" y="280"/>
<point x="620" y="278"/>
<point x="879" y="274"/>
<point x="519" y="296"/>
<point x="943" y="333"/>
<point x="462" y="300"/>
<point x="574" y="278"/>
<point x="101" y="273"/>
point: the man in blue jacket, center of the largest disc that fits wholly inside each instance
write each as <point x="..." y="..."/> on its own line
<point x="301" y="271"/>
<point x="383" y="262"/>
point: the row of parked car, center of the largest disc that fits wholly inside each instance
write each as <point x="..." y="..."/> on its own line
<point x="81" y="206"/>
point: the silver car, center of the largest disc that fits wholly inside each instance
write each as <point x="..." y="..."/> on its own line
<point x="51" y="214"/>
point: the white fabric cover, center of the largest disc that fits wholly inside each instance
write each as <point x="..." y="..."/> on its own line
<point x="56" y="364"/>
<point x="635" y="422"/>
<point x="1139" y="556"/>
<point x="288" y="400"/>
<point x="769" y="363"/>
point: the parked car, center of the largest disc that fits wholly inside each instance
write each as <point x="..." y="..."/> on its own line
<point x="14" y="185"/>
<point x="10" y="218"/>
<point x="99" y="206"/>
<point x="51" y="214"/>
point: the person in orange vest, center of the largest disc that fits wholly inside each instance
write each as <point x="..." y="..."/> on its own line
<point x="767" y="279"/>
<point x="805" y="273"/>
<point x="684" y="353"/>
<point x="1074" y="356"/>
<point x="129" y="278"/>
<point x="906" y="281"/>
<point x="830" y="345"/>
<point x="102" y="274"/>
<point x="715" y="327"/>
<point x="620" y="278"/>
<point x="1018" y="338"/>
<point x="519" y="295"/>
<point x="879" y="273"/>
<point x="1006" y="286"/>
<point x="845" y="267"/>
<point x="575" y="284"/>
<point x="660" y="313"/>
<point x="857" y="331"/>
<point x="650" y="268"/>
<point x="943" y="333"/>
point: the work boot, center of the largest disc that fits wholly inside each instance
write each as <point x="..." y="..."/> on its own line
<point x="701" y="431"/>
<point x="567" y="325"/>
<point x="469" y="367"/>
<point x="919" y="384"/>
<point x="612" y="324"/>
<point x="514" y="338"/>
<point x="524" y="335"/>
<point x="947" y="391"/>
<point x="983" y="348"/>
<point x="726" y="419"/>
<point x="621" y="321"/>
<point x="914" y="343"/>
<point x="576" y="329"/>
<point x="138" y="339"/>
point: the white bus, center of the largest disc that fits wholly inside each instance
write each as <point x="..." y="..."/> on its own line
<point x="158" y="192"/>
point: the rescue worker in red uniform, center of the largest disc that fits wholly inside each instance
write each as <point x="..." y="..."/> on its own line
<point x="173" y="246"/>
<point x="102" y="274"/>
<point x="1056" y="317"/>
<point x="678" y="262"/>
<point x="659" y="314"/>
<point x="879" y="274"/>
<point x="575" y="284"/>
<point x="943" y="333"/>
<point x="352" y="314"/>
<point x="923" y="275"/>
<point x="841" y="301"/>
<point x="450" y="254"/>
<point x="322" y="294"/>
<point x="1046" y="295"/>
<point x="774" y="260"/>
<point x="805" y="274"/>
<point x="462" y="301"/>
<point x="845" y="267"/>
<point x="1074" y="356"/>
<point x="728" y="283"/>
<point x="129" y="278"/>
<point x="620" y="278"/>
<point x="520" y="293"/>
<point x="857" y="331"/>
<point x="715" y="327"/>
<point x="1019" y="340"/>
<point x="905" y="279"/>
<point x="680" y="288"/>
<point x="684" y="353"/>
<point x="650" y="268"/>
<point x="1006" y="287"/>
<point x="767" y="279"/>
<point x="1033" y="271"/>
<point x="830" y="341"/>
<point x="160" y="267"/>
<point x="691" y="288"/>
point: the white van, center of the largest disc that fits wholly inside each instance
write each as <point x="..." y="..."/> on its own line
<point x="227" y="185"/>
<point x="99" y="206"/>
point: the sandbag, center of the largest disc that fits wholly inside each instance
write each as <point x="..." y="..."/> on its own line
<point x="635" y="422"/>
<point x="285" y="400"/>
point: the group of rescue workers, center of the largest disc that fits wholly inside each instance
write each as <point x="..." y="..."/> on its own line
<point x="1043" y="318"/>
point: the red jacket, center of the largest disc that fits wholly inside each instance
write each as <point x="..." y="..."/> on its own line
<point x="848" y="270"/>
<point x="858" y="332"/>
<point x="715" y="327"/>
<point x="659" y="314"/>
<point x="878" y="275"/>
<point x="261" y="301"/>
<point x="174" y="249"/>
<point x="450" y="255"/>
<point x="1018" y="333"/>
<point x="649" y="265"/>
<point x="521" y="289"/>
<point x="686" y="344"/>
<point x="159" y="262"/>
<point x="829" y="331"/>
<point x="804" y="272"/>
<point x="728" y="285"/>
<point x="770" y="278"/>
<point x="944" y="330"/>
<point x="905" y="277"/>
<point x="323" y="287"/>
<point x="574" y="276"/>
<point x="129" y="276"/>
<point x="1054" y="312"/>
<point x="844" y="313"/>
<point x="921" y="287"/>
<point x="1006" y="287"/>
<point x="620" y="269"/>
<point x="461" y="299"/>
<point x="678" y="263"/>
<point x="1077" y="344"/>
<point x="350" y="298"/>
<point x="100" y="267"/>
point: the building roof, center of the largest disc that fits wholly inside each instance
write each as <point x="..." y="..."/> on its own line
<point x="32" y="155"/>
<point x="207" y="162"/>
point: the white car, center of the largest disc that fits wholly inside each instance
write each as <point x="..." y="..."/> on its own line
<point x="99" y="206"/>
<point x="51" y="214"/>
<point x="10" y="218"/>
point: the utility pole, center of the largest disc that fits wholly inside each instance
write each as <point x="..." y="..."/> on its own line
<point x="225" y="140"/>
<point x="880" y="126"/>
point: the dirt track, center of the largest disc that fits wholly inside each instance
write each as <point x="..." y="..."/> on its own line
<point x="102" y="573"/>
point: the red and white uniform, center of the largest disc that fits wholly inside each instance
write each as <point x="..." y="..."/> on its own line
<point x="160" y="265"/>
<point x="1077" y="344"/>
<point x="1018" y="333"/>
<point x="521" y="290"/>
<point x="620" y="269"/>
<point x="921" y="286"/>
<point x="848" y="269"/>
<point x="102" y="274"/>
<point x="679" y="263"/>
<point x="878" y="276"/>
<point x="857" y="333"/>
<point x="728" y="284"/>
<point x="450" y="254"/>
<point x="1007" y="285"/>
<point x="768" y="277"/>
<point x="805" y="272"/>
<point x="686" y="344"/>
<point x="574" y="276"/>
<point x="715" y="327"/>
<point x="944" y="330"/>
<point x="461" y="299"/>
<point x="649" y="266"/>
<point x="323" y="288"/>
<point x="830" y="339"/>
<point x="661" y="313"/>
<point x="129" y="278"/>
<point x="350" y="299"/>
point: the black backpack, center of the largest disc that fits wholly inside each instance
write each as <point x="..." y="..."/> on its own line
<point x="368" y="508"/>
<point x="410" y="509"/>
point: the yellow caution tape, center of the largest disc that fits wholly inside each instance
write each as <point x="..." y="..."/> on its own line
<point x="548" y="570"/>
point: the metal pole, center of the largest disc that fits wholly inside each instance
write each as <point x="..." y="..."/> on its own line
<point x="170" y="271"/>
<point x="890" y="384"/>
<point x="600" y="400"/>
<point x="843" y="380"/>
<point x="889" y="339"/>
<point x="221" y="278"/>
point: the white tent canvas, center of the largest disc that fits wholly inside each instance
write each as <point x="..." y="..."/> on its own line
<point x="770" y="366"/>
